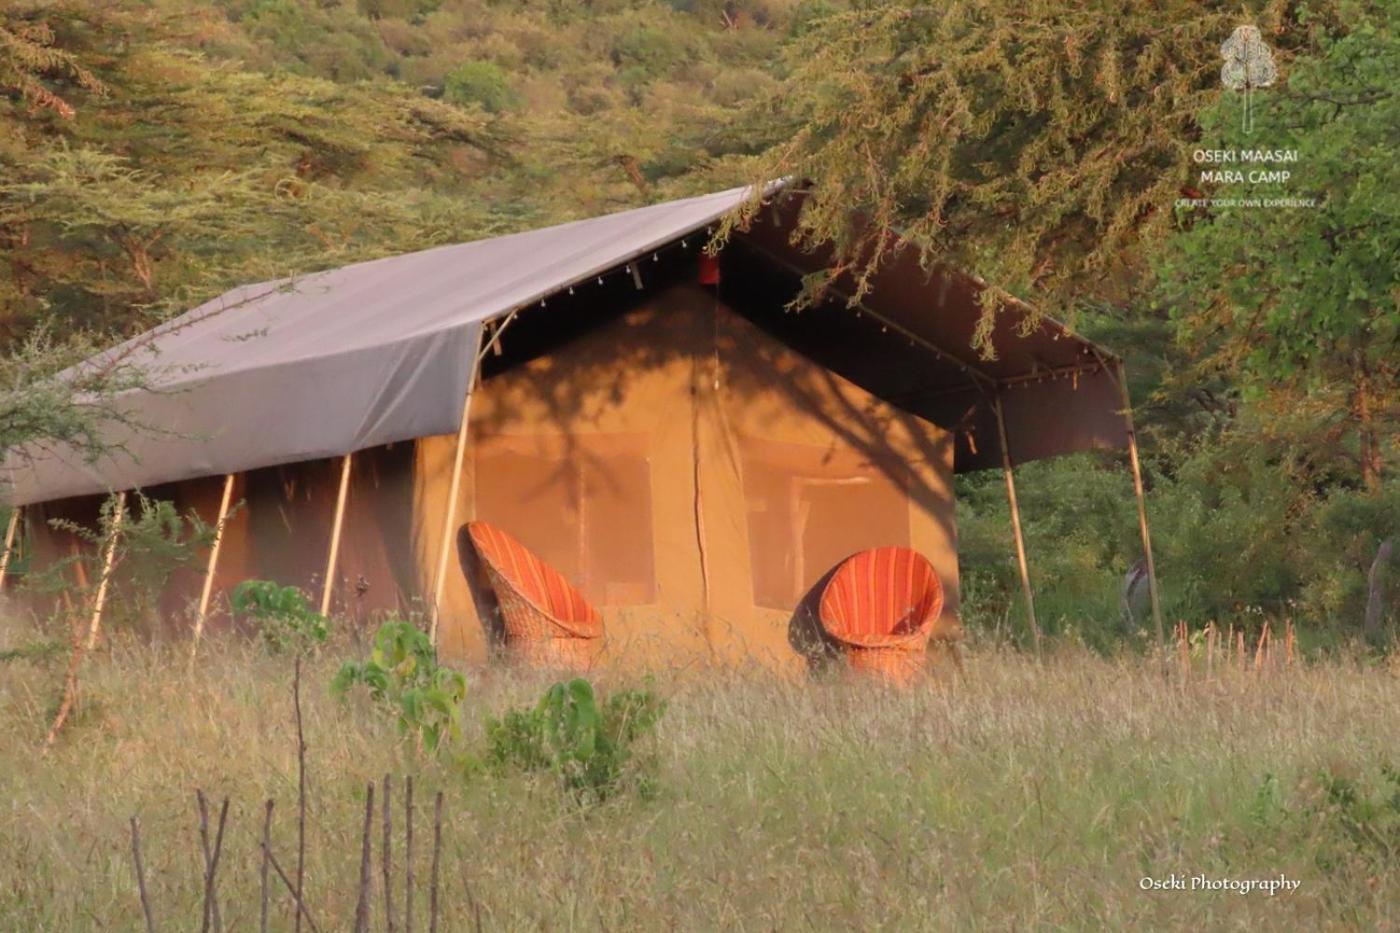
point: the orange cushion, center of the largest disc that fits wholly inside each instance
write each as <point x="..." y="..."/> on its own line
<point x="885" y="595"/>
<point x="531" y="577"/>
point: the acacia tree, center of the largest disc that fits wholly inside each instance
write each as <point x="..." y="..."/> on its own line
<point x="1298" y="304"/>
<point x="1039" y="146"/>
<point x="137" y="178"/>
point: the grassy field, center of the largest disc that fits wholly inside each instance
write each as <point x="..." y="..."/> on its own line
<point x="1028" y="796"/>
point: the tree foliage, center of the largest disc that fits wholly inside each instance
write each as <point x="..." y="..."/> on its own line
<point x="1298" y="305"/>
<point x="1038" y="146"/>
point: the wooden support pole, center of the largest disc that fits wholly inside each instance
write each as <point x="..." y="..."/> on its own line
<point x="10" y="530"/>
<point x="449" y="514"/>
<point x="1141" y="506"/>
<point x="100" y="600"/>
<point x="328" y="584"/>
<point x="213" y="564"/>
<point x="1016" y="526"/>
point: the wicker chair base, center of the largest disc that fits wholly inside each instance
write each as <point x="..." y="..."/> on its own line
<point x="577" y="655"/>
<point x="895" y="665"/>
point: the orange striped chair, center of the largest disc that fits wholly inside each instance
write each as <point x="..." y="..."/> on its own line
<point x="547" y="622"/>
<point x="880" y="606"/>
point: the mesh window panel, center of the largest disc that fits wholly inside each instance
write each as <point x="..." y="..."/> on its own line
<point x="809" y="508"/>
<point x="583" y="504"/>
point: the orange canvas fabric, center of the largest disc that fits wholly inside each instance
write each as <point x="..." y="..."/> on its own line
<point x="692" y="478"/>
<point x="883" y="597"/>
<point x="539" y="584"/>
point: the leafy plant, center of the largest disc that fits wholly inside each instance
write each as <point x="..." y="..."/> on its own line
<point x="402" y="672"/>
<point x="150" y="539"/>
<point x="284" y="618"/>
<point x="587" y="746"/>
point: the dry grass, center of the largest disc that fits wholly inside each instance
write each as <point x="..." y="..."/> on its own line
<point x="1033" y="796"/>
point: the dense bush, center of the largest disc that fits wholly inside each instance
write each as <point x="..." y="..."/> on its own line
<point x="587" y="746"/>
<point x="481" y="83"/>
<point x="1239" y="537"/>
<point x="282" y="614"/>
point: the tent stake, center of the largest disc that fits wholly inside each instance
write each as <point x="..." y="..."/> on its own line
<point x="449" y="517"/>
<point x="213" y="564"/>
<point x="101" y="598"/>
<point x="9" y="543"/>
<point x="1016" y="526"/>
<point x="328" y="585"/>
<point x="1141" y="505"/>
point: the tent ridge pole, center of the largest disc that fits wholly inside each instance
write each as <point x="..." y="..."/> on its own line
<point x="449" y="518"/>
<point x="100" y="600"/>
<point x="1016" y="525"/>
<point x="328" y="584"/>
<point x="1141" y="505"/>
<point x="9" y="543"/>
<point x="213" y="563"/>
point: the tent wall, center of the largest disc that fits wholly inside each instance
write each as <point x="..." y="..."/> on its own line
<point x="279" y="529"/>
<point x="694" y="477"/>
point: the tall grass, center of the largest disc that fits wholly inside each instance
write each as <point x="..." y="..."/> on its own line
<point x="1030" y="795"/>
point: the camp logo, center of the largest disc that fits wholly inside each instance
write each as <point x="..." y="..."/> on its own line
<point x="1248" y="64"/>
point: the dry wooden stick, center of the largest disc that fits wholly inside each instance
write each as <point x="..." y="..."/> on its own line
<point x="437" y="854"/>
<point x="1239" y="650"/>
<point x="472" y="902"/>
<point x="408" y="855"/>
<point x="388" y="857"/>
<point x="210" y="913"/>
<point x="141" y="876"/>
<point x="70" y="690"/>
<point x="301" y="907"/>
<point x="1288" y="642"/>
<point x="366" y="876"/>
<point x="211" y="882"/>
<point x="1184" y="645"/>
<point x="267" y="852"/>
<point x="301" y="788"/>
<point x="1259" y="648"/>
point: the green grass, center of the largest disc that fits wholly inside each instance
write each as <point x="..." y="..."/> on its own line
<point x="1031" y="796"/>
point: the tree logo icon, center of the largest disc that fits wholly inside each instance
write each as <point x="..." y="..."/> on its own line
<point x="1248" y="64"/>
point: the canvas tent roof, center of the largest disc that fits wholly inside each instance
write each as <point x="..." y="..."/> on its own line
<point x="383" y="351"/>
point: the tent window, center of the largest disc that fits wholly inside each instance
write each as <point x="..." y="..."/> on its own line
<point x="808" y="509"/>
<point x="582" y="503"/>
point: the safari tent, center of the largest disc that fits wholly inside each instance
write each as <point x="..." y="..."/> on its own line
<point x="652" y="421"/>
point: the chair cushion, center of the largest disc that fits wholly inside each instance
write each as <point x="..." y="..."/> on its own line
<point x="532" y="578"/>
<point x="883" y="596"/>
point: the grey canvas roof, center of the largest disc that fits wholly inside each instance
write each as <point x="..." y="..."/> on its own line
<point x="384" y="351"/>
<point x="342" y="360"/>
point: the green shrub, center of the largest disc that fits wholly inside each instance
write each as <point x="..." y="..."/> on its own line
<point x="151" y="543"/>
<point x="482" y="83"/>
<point x="284" y="618"/>
<point x="647" y="53"/>
<point x="587" y="747"/>
<point x="403" y="674"/>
